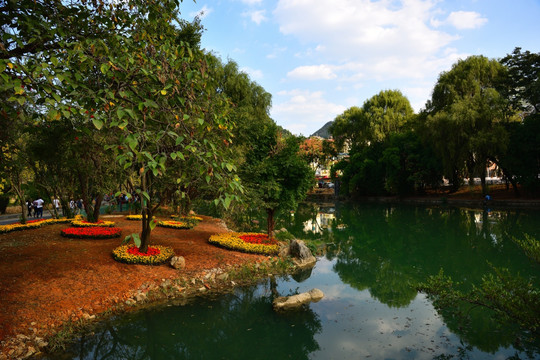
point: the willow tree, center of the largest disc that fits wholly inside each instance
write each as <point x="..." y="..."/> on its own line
<point x="466" y="117"/>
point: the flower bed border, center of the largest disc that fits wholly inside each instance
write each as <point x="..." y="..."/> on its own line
<point x="33" y="224"/>
<point x="86" y="224"/>
<point x="108" y="232"/>
<point x="121" y="254"/>
<point x="232" y="241"/>
<point x="137" y="217"/>
<point x="174" y="224"/>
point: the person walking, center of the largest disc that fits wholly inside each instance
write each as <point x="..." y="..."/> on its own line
<point x="56" y="204"/>
<point x="29" y="206"/>
<point x="39" y="207"/>
<point x="73" y="207"/>
<point x="79" y="206"/>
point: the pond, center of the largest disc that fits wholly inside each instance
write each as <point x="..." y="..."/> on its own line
<point x="376" y="257"/>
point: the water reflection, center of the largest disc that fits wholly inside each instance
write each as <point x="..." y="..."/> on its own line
<point x="377" y="255"/>
<point x="240" y="325"/>
<point x="388" y="251"/>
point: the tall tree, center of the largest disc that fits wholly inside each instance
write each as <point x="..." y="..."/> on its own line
<point x="383" y="114"/>
<point x="123" y="67"/>
<point x="466" y="117"/>
<point x="275" y="174"/>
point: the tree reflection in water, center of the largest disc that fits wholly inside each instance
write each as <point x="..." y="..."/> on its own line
<point x="245" y="327"/>
<point x="389" y="250"/>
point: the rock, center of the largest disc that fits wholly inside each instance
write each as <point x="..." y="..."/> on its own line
<point x="223" y="276"/>
<point x="31" y="351"/>
<point x="87" y="316"/>
<point x="40" y="342"/>
<point x="141" y="296"/>
<point x="301" y="255"/>
<point x="296" y="301"/>
<point x="284" y="252"/>
<point x="178" y="262"/>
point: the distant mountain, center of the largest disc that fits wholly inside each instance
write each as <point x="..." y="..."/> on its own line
<point x="324" y="131"/>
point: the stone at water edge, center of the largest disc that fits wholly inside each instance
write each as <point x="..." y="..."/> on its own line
<point x="296" y="301"/>
<point x="301" y="255"/>
<point x="178" y="262"/>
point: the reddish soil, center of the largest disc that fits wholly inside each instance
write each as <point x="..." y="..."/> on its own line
<point x="47" y="279"/>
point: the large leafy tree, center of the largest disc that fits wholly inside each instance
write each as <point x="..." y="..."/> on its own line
<point x="275" y="174"/>
<point x="383" y="114"/>
<point x="466" y="117"/>
<point x="523" y="82"/>
<point x="380" y="160"/>
<point x="522" y="90"/>
<point x="125" y="68"/>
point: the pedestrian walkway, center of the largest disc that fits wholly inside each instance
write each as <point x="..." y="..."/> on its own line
<point x="6" y="219"/>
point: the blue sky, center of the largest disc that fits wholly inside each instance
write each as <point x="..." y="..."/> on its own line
<point x="319" y="57"/>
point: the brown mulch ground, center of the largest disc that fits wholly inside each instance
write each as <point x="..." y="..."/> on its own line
<point x="46" y="279"/>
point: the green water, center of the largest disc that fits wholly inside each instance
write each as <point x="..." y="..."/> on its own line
<point x="377" y="255"/>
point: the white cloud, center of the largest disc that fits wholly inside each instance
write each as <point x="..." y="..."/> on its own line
<point x="253" y="73"/>
<point x="204" y="12"/>
<point x="312" y="72"/>
<point x="303" y="110"/>
<point x="466" y="20"/>
<point x="257" y="16"/>
<point x="391" y="41"/>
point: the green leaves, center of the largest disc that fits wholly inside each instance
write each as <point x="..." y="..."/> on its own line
<point x="97" y="123"/>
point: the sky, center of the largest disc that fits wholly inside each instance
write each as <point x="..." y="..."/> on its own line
<point x="320" y="57"/>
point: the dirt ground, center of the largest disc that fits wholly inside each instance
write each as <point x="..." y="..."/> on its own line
<point x="46" y="279"/>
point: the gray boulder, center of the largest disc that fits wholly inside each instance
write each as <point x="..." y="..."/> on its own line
<point x="301" y="255"/>
<point x="295" y="301"/>
<point x="178" y="262"/>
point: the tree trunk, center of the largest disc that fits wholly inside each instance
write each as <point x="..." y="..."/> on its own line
<point x="17" y="185"/>
<point x="270" y="221"/>
<point x="483" y="182"/>
<point x="97" y="207"/>
<point x="455" y="181"/>
<point x="146" y="230"/>
<point x="146" y="217"/>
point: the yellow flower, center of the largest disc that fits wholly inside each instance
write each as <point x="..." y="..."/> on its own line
<point x="233" y="241"/>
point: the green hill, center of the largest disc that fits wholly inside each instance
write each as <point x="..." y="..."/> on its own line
<point x="324" y="131"/>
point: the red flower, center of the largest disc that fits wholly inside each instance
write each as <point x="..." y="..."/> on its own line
<point x="92" y="232"/>
<point x="258" y="239"/>
<point x="152" y="251"/>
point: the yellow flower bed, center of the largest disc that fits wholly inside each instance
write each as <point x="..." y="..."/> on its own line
<point x="31" y="225"/>
<point x="136" y="217"/>
<point x="14" y="227"/>
<point x="57" y="221"/>
<point x="233" y="241"/>
<point x="189" y="217"/>
<point x="129" y="254"/>
<point x="84" y="223"/>
<point x="174" y="224"/>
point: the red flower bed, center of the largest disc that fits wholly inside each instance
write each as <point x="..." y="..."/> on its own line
<point x="34" y="221"/>
<point x="258" y="239"/>
<point x="91" y="232"/>
<point x="152" y="251"/>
